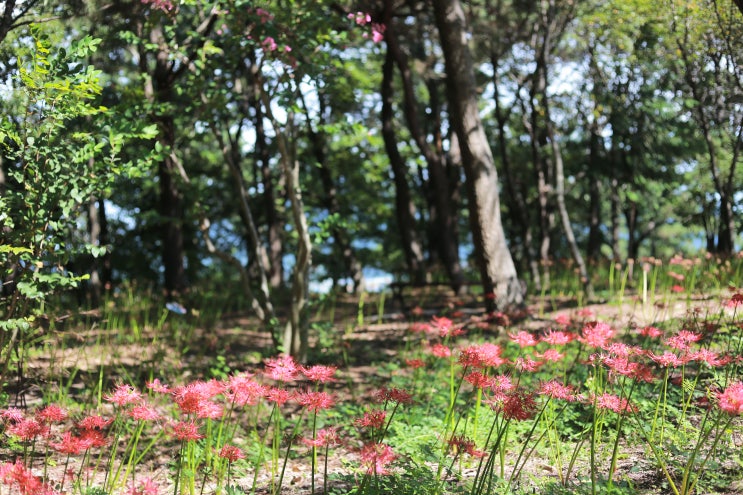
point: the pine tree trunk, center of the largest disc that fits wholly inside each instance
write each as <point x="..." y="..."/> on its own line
<point x="404" y="206"/>
<point x="497" y="270"/>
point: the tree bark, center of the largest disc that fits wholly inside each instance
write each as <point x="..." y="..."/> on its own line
<point x="404" y="206"/>
<point x="443" y="218"/>
<point x="497" y="270"/>
<point x="513" y="190"/>
<point x="273" y="264"/>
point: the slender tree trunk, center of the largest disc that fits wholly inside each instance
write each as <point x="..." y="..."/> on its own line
<point x="615" y="224"/>
<point x="404" y="206"/>
<point x="520" y="207"/>
<point x="296" y="331"/>
<point x="593" y="245"/>
<point x="105" y="266"/>
<point x="171" y="214"/>
<point x="274" y="225"/>
<point x="497" y="270"/>
<point x="95" y="284"/>
<point x="443" y="219"/>
<point x="561" y="207"/>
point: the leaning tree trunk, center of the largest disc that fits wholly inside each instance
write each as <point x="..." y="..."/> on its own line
<point x="497" y="269"/>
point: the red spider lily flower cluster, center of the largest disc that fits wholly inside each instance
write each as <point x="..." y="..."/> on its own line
<point x="315" y="401"/>
<point x="231" y="453"/>
<point x="16" y="474"/>
<point x="395" y="395"/>
<point x="324" y="437"/>
<point x="372" y="419"/>
<point x="282" y="369"/>
<point x="610" y="402"/>
<point x="144" y="487"/>
<point x="376" y="458"/>
<point x="461" y="443"/>
<point x="730" y="400"/>
<point x="596" y="334"/>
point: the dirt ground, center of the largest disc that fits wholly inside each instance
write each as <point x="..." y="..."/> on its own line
<point x="77" y="356"/>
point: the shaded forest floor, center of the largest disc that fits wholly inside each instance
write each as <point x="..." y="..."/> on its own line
<point x="79" y="362"/>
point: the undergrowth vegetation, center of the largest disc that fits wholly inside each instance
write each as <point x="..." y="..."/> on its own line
<point x="144" y="398"/>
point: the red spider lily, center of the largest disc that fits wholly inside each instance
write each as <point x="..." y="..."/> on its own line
<point x="157" y="387"/>
<point x="231" y="453"/>
<point x="143" y="412"/>
<point x="376" y="457"/>
<point x="28" y="484"/>
<point x="585" y="313"/>
<point x="557" y="390"/>
<point x="552" y="355"/>
<point x="563" y="320"/>
<point x="419" y="327"/>
<point x="320" y="373"/>
<point x="123" y="395"/>
<point x="70" y="444"/>
<point x="518" y="405"/>
<point x="682" y="340"/>
<point x="712" y="358"/>
<point x="523" y="339"/>
<point x="610" y="402"/>
<point x="596" y="334"/>
<point x="440" y="351"/>
<point x="445" y="327"/>
<point x="372" y="419"/>
<point x="281" y="369"/>
<point x="315" y="401"/>
<point x="243" y="390"/>
<point x="462" y="443"/>
<point x="324" y="437"/>
<point x="94" y="423"/>
<point x="415" y="363"/>
<point x="731" y="399"/>
<point x="477" y="379"/>
<point x="209" y="410"/>
<point x="92" y="439"/>
<point x="279" y="396"/>
<point x="12" y="414"/>
<point x="490" y="355"/>
<point x="735" y="301"/>
<point x="145" y="487"/>
<point x="189" y="397"/>
<point x="527" y="364"/>
<point x="667" y="359"/>
<point x="396" y="395"/>
<point x="469" y="356"/>
<point x="51" y="414"/>
<point x="28" y="429"/>
<point x="650" y="332"/>
<point x="185" y="431"/>
<point x="557" y="337"/>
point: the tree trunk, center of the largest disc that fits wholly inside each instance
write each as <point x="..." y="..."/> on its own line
<point x="404" y="206"/>
<point x="514" y="191"/>
<point x="726" y="230"/>
<point x="274" y="225"/>
<point x="497" y="270"/>
<point x="171" y="214"/>
<point x="443" y="218"/>
<point x="95" y="283"/>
